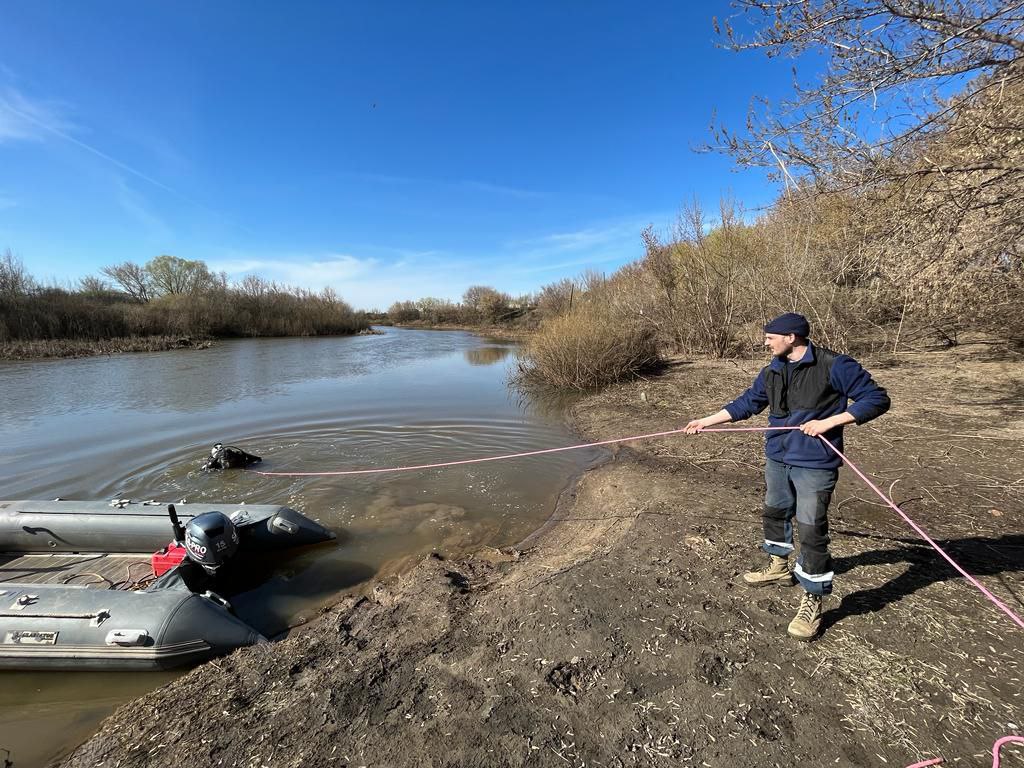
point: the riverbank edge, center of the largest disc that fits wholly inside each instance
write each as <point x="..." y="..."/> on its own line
<point x="612" y="636"/>
<point x="496" y="332"/>
<point x="77" y="348"/>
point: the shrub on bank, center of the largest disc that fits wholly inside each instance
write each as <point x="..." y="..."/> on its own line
<point x="588" y="348"/>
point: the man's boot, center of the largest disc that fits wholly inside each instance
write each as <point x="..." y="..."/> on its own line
<point x="808" y="618"/>
<point x="776" y="572"/>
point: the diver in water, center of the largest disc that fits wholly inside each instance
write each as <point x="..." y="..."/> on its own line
<point x="229" y="457"/>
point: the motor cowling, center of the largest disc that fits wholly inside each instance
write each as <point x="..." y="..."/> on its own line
<point x="210" y="540"/>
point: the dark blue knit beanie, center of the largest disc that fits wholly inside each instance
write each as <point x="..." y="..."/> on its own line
<point x="791" y="322"/>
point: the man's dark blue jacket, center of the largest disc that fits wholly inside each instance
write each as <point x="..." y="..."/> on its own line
<point x="817" y="386"/>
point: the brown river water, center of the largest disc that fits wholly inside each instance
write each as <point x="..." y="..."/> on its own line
<point x="138" y="426"/>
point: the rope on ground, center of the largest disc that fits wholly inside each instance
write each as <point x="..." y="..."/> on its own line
<point x="996" y="748"/>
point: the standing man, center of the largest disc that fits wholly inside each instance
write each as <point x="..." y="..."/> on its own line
<point x="806" y="386"/>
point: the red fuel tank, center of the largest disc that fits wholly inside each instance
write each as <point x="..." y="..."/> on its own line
<point x="167" y="558"/>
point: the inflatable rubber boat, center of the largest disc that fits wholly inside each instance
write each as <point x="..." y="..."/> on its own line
<point x="132" y="585"/>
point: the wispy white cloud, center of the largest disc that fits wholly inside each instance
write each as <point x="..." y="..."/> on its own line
<point x="24" y="119"/>
<point x="28" y="119"/>
<point x="365" y="282"/>
<point x="618" y="257"/>
<point x="388" y="275"/>
<point x="616" y="232"/>
<point x="32" y="119"/>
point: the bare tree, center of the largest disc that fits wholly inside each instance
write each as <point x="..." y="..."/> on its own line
<point x="890" y="66"/>
<point x="174" y="276"/>
<point x="660" y="265"/>
<point x="132" y="278"/>
<point x="485" y="302"/>
<point x="919" y="116"/>
<point x="435" y="311"/>
<point x="556" y="298"/>
<point x="14" y="280"/>
<point x="403" y="312"/>
<point x="91" y="284"/>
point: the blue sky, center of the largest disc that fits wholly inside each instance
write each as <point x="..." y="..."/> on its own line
<point x="390" y="150"/>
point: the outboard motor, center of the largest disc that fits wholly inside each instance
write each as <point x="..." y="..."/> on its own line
<point x="229" y="457"/>
<point x="210" y="540"/>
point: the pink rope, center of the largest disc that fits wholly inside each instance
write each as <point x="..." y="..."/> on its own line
<point x="920" y="531"/>
<point x="995" y="752"/>
<point x="470" y="461"/>
<point x="999" y="745"/>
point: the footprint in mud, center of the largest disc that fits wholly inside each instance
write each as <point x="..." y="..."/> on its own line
<point x="715" y="669"/>
<point x="768" y="723"/>
<point x="571" y="678"/>
<point x="710" y="668"/>
<point x="772" y="605"/>
<point x="690" y="633"/>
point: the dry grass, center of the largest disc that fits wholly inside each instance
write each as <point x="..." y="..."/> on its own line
<point x="887" y="691"/>
<point x="586" y="349"/>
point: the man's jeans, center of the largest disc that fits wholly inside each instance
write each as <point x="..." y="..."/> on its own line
<point x="805" y="493"/>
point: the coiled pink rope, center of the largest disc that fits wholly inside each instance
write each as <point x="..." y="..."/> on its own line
<point x="920" y="531"/>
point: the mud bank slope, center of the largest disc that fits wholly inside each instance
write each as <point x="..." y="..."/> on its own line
<point x="621" y="636"/>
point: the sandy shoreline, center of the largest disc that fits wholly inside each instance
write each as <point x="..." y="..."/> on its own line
<point x="621" y="636"/>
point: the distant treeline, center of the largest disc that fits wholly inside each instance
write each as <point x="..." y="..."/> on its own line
<point x="481" y="305"/>
<point x="168" y="296"/>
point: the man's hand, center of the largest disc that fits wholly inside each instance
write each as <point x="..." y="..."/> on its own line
<point x="697" y="425"/>
<point x="816" y="427"/>
<point x="819" y="427"/>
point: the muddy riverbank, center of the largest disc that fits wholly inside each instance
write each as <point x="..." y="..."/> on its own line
<point x="621" y="635"/>
<point x="63" y="348"/>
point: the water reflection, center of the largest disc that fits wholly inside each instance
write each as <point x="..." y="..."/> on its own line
<point x="487" y="355"/>
<point x="194" y="380"/>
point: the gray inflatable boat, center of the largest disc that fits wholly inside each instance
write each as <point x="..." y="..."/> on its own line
<point x="132" y="585"/>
